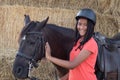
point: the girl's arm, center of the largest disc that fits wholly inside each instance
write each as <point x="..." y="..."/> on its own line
<point x="64" y="63"/>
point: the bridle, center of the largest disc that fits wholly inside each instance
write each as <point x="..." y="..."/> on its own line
<point x="40" y="44"/>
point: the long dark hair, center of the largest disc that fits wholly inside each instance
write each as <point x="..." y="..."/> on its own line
<point x="88" y="35"/>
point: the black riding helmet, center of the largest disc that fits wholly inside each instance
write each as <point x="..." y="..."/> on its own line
<point x="86" y="13"/>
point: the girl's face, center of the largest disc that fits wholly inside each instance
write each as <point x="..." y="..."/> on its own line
<point x="82" y="26"/>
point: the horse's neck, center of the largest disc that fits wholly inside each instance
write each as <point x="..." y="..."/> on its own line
<point x="59" y="43"/>
<point x="55" y="32"/>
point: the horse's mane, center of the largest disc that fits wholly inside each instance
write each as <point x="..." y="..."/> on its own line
<point x="62" y="30"/>
<point x="27" y="27"/>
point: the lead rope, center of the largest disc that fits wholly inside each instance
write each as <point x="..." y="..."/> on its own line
<point x="30" y="68"/>
<point x="29" y="73"/>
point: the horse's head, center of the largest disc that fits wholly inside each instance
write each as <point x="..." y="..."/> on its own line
<point x="31" y="48"/>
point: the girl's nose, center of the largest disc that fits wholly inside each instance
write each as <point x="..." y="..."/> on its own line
<point x="81" y="27"/>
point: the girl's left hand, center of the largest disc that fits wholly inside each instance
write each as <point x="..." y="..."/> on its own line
<point x="47" y="50"/>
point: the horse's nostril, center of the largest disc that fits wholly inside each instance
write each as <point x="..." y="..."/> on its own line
<point x="19" y="70"/>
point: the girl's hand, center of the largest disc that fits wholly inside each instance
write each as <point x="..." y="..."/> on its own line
<point x="47" y="51"/>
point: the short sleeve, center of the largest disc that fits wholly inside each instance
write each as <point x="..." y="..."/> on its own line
<point x="91" y="46"/>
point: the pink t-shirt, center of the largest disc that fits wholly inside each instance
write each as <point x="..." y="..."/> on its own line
<point x="85" y="71"/>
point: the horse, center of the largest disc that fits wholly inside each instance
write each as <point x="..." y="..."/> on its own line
<point x="32" y="41"/>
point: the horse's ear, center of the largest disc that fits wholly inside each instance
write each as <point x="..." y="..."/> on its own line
<point x="26" y="19"/>
<point x="42" y="24"/>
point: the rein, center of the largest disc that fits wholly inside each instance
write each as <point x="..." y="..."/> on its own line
<point x="40" y="42"/>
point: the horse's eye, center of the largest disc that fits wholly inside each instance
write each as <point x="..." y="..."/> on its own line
<point x="32" y="43"/>
<point x="37" y="37"/>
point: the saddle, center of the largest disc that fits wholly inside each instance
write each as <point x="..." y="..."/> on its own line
<point x="108" y="59"/>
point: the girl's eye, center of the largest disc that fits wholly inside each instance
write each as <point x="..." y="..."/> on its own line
<point x="79" y="24"/>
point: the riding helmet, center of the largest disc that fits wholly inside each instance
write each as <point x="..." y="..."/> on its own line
<point x="86" y="13"/>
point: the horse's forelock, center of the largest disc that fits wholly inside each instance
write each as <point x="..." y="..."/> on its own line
<point x="26" y="29"/>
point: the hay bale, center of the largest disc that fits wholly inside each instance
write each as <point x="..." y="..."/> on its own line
<point x="12" y="19"/>
<point x="111" y="7"/>
<point x="107" y="25"/>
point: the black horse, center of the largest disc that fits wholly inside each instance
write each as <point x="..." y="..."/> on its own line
<point x="32" y="42"/>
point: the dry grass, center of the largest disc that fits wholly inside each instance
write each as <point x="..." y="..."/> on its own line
<point x="5" y="68"/>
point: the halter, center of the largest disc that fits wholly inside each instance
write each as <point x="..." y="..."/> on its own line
<point x="39" y="44"/>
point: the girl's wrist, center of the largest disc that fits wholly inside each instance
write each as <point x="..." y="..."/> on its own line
<point x="49" y="57"/>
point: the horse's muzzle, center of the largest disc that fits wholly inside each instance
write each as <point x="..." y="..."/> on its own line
<point x="20" y="70"/>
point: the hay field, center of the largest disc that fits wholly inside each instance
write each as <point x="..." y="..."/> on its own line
<point x="62" y="13"/>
